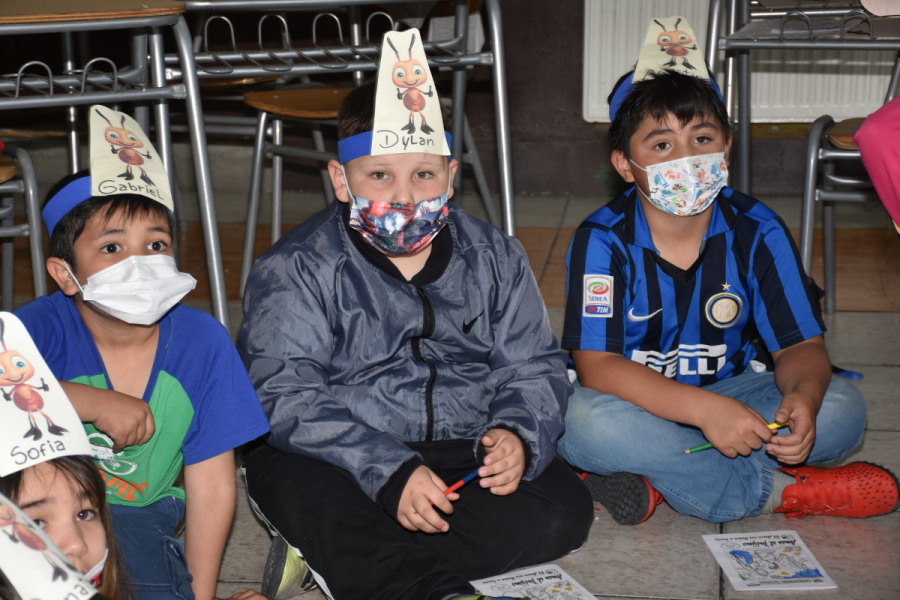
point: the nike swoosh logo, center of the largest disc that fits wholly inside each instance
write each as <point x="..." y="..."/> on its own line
<point x="467" y="327"/>
<point x="636" y="319"/>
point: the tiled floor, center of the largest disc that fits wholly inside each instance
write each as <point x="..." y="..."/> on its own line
<point x="664" y="557"/>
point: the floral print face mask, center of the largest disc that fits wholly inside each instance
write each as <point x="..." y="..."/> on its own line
<point x="398" y="229"/>
<point x="686" y="186"/>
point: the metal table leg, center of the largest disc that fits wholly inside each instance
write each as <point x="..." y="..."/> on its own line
<point x="201" y="167"/>
<point x="504" y="165"/>
<point x="7" y="257"/>
<point x="33" y="212"/>
<point x="259" y="150"/>
<point x="713" y="27"/>
<point x="743" y="68"/>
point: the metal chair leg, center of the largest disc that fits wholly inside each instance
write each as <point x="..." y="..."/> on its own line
<point x="483" y="188"/>
<point x="277" y="173"/>
<point x="33" y="213"/>
<point x="253" y="200"/>
<point x="319" y="143"/>
<point x="810" y="179"/>
<point x="828" y="252"/>
<point x="204" y="178"/>
<point x="7" y="260"/>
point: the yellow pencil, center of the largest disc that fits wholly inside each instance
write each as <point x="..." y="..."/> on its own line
<point x="707" y="445"/>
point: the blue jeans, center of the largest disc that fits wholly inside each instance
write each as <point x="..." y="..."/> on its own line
<point x="157" y="567"/>
<point x="605" y="434"/>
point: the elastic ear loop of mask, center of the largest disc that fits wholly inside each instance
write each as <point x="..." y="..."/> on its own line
<point x="347" y="183"/>
<point x="75" y="279"/>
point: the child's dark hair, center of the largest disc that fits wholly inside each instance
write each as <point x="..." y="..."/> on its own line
<point x="71" y="226"/>
<point x="684" y="96"/>
<point x="357" y="112"/>
<point x="81" y="471"/>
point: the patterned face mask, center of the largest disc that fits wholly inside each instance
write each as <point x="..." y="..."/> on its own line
<point x="398" y="229"/>
<point x="686" y="186"/>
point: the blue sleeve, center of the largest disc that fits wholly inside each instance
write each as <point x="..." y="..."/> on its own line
<point x="42" y="320"/>
<point x="227" y="412"/>
<point x="528" y="370"/>
<point x="286" y="343"/>
<point x="595" y="294"/>
<point x="784" y="309"/>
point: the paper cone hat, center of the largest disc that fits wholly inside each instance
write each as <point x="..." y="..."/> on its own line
<point x="407" y="109"/>
<point x="123" y="161"/>
<point x="37" y="421"/>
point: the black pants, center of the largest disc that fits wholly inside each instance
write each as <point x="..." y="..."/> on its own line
<point x="363" y="552"/>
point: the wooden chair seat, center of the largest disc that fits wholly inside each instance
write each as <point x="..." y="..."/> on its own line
<point x="56" y="11"/>
<point x="841" y="135"/>
<point x="8" y="169"/>
<point x="224" y="84"/>
<point x="306" y="103"/>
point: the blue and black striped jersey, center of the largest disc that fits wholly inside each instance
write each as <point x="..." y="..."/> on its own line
<point x="693" y="325"/>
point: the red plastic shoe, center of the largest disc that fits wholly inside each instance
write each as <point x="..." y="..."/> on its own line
<point x="857" y="490"/>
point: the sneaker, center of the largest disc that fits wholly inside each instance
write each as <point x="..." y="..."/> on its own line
<point x="629" y="498"/>
<point x="286" y="574"/>
<point x="857" y="490"/>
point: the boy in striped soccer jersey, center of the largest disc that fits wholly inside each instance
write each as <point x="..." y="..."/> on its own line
<point x="668" y="285"/>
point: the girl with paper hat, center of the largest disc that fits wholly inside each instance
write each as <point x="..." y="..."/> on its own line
<point x="159" y="386"/>
<point x="399" y="345"/>
<point x="52" y="479"/>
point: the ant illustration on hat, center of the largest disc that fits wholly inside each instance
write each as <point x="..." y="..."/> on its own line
<point x="410" y="74"/>
<point x="16" y="371"/>
<point x="126" y="142"/>
<point x="20" y="532"/>
<point x="675" y="44"/>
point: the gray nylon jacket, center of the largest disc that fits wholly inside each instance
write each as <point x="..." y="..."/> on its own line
<point x="350" y="362"/>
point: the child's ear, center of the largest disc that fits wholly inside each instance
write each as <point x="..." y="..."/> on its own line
<point x="622" y="165"/>
<point x="728" y="141"/>
<point x="337" y="181"/>
<point x="454" y="165"/>
<point x="60" y="274"/>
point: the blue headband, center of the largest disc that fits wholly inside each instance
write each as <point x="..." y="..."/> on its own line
<point x="361" y="145"/>
<point x="65" y="200"/>
<point x="626" y="87"/>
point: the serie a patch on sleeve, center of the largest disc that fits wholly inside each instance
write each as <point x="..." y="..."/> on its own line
<point x="598" y="296"/>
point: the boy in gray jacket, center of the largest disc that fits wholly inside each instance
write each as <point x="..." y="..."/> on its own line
<point x="398" y="344"/>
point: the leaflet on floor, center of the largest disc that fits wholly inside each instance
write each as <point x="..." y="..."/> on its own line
<point x="768" y="560"/>
<point x="544" y="582"/>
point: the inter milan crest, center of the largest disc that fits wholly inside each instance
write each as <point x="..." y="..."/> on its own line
<point x="724" y="310"/>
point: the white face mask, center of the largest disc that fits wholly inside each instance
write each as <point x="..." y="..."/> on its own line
<point x="139" y="290"/>
<point x="95" y="575"/>
<point x="686" y="186"/>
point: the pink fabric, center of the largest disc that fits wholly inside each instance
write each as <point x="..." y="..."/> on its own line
<point x="879" y="144"/>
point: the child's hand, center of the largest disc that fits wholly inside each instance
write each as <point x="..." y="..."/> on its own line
<point x="127" y="420"/>
<point x="505" y="463"/>
<point x="799" y="412"/>
<point x="247" y="595"/>
<point x="734" y="428"/>
<point x="423" y="489"/>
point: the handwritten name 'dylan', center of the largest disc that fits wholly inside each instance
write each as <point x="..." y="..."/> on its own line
<point x="389" y="139"/>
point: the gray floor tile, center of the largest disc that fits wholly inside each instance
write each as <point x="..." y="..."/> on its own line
<point x="861" y="555"/>
<point x="540" y="211"/>
<point x="247" y="547"/>
<point x="557" y="321"/>
<point x="879" y="387"/>
<point x="858" y="338"/>
<point x="849" y="214"/>
<point x="662" y="558"/>
<point x="879" y="447"/>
